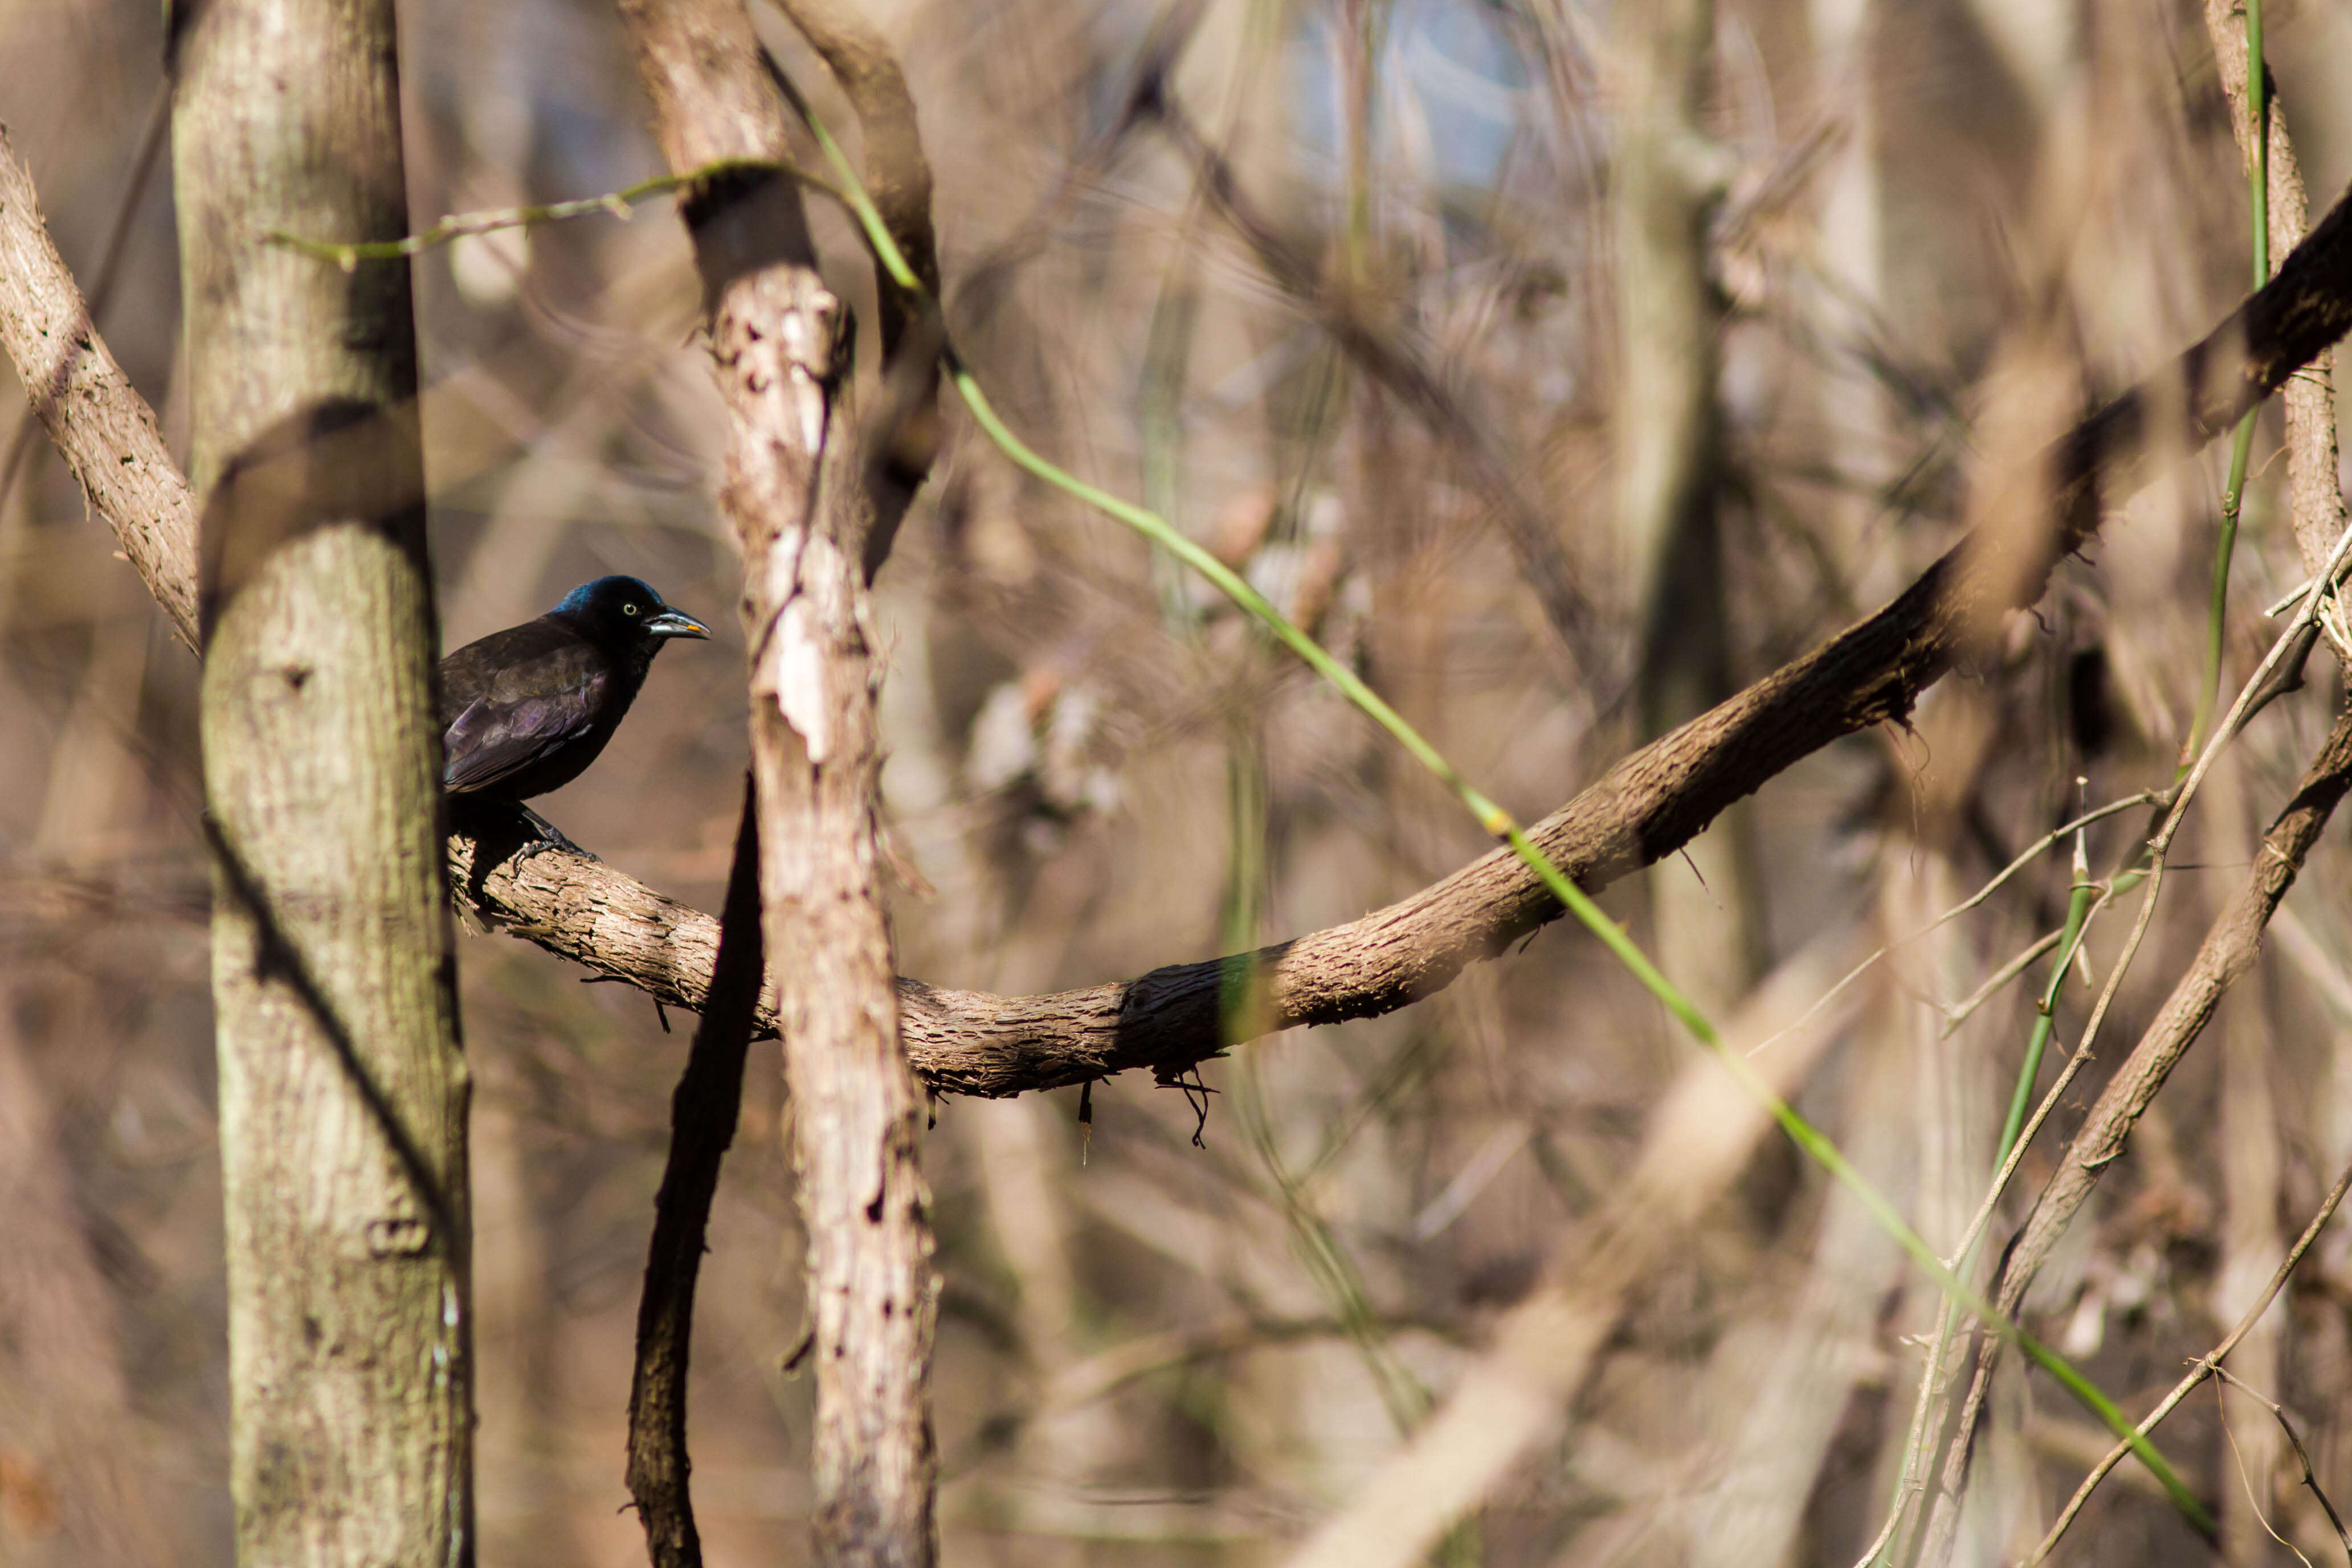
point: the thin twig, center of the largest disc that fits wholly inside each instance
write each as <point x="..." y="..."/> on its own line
<point x="2180" y="796"/>
<point x="2025" y="857"/>
<point x="2205" y="1367"/>
<point x="2238" y="1462"/>
<point x="2302" y="1454"/>
<point x="457" y="225"/>
<point x="1959" y="1012"/>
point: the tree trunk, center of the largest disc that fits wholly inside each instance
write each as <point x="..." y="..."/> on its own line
<point x="343" y="1093"/>
<point x="795" y="489"/>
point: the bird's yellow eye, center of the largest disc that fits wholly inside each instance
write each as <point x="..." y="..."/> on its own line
<point x="628" y="609"/>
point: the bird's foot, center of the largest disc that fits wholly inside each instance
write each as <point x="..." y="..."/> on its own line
<point x="550" y="837"/>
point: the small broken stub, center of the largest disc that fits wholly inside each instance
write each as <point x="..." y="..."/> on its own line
<point x="400" y="1236"/>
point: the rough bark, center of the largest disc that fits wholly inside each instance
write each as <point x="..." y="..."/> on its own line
<point x="342" y="1093"/>
<point x="794" y="489"/>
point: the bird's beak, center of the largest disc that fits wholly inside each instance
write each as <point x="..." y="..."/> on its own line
<point x="671" y="624"/>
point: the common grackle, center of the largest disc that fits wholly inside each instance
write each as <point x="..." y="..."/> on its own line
<point x="526" y="709"/>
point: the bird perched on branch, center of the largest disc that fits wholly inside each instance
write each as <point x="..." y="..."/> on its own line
<point x="526" y="709"/>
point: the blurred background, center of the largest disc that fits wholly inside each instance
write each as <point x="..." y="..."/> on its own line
<point x="1418" y="381"/>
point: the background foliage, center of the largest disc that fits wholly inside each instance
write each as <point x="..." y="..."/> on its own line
<point x="1169" y="1352"/>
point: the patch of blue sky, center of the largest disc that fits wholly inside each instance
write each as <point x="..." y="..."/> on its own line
<point x="1453" y="89"/>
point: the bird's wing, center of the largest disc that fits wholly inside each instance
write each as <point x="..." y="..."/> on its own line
<point x="512" y="697"/>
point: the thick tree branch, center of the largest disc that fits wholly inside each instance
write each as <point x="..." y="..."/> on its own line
<point x="1647" y="806"/>
<point x="901" y="438"/>
<point x="102" y="425"/>
<point x="794" y="490"/>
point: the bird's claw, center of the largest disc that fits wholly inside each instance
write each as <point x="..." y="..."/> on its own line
<point x="550" y="836"/>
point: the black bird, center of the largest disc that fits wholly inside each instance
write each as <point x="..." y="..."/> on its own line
<point x="526" y="709"/>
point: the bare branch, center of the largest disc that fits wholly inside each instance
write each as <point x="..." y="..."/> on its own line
<point x="102" y="425"/>
<point x="897" y="175"/>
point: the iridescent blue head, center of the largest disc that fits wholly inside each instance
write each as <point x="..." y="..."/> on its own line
<point x="623" y="612"/>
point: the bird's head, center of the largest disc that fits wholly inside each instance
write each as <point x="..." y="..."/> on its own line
<point x="623" y="612"/>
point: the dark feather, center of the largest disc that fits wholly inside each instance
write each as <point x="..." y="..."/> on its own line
<point x="525" y="710"/>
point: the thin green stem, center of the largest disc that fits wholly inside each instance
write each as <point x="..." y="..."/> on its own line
<point x="2078" y="910"/>
<point x="2258" y="176"/>
<point x="2258" y="109"/>
<point x="2046" y="1006"/>
<point x="1499" y="823"/>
